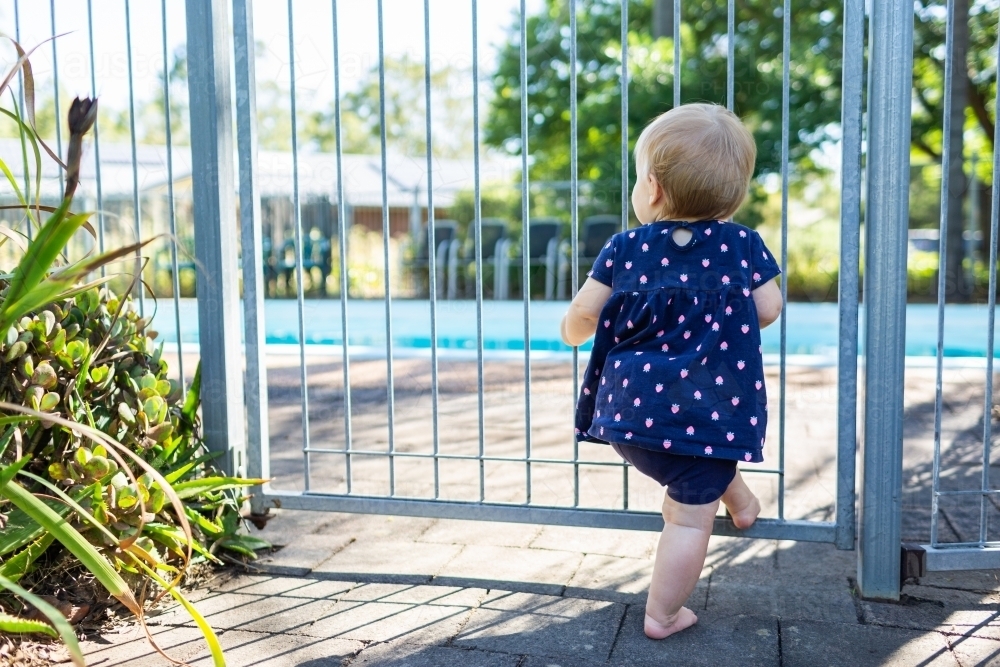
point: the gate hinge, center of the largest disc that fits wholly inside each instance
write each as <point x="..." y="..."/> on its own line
<point x="912" y="562"/>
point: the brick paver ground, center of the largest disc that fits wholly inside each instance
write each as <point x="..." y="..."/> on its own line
<point x="377" y="590"/>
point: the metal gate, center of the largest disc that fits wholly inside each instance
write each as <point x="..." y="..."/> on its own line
<point x="960" y="552"/>
<point x="235" y="379"/>
<point x="839" y="531"/>
<point x="885" y="266"/>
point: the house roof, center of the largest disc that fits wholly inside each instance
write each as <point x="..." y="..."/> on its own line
<point x="406" y="177"/>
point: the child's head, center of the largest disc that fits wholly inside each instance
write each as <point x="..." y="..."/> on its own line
<point x="700" y="156"/>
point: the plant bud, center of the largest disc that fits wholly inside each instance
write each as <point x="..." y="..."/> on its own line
<point x="82" y="114"/>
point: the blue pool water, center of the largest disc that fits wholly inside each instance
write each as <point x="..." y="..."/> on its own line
<point x="811" y="327"/>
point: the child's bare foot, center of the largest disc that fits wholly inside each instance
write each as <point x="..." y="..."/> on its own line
<point x="746" y="516"/>
<point x="741" y="503"/>
<point x="683" y="619"/>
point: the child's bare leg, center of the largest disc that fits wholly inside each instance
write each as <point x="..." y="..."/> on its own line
<point x="742" y="504"/>
<point x="680" y="557"/>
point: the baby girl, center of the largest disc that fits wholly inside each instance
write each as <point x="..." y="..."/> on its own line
<point x="675" y="382"/>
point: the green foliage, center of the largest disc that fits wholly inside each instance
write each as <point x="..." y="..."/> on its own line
<point x="88" y="418"/>
<point x="815" y="83"/>
<point x="92" y="360"/>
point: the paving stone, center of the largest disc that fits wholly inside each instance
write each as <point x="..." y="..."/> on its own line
<point x="453" y="531"/>
<point x="738" y="560"/>
<point x="602" y="577"/>
<point x="414" y="594"/>
<point x="297" y="587"/>
<point x="247" y="649"/>
<point x="389" y="561"/>
<point x="386" y="621"/>
<point x="604" y="541"/>
<point x="287" y="526"/>
<point x="301" y="556"/>
<point x="974" y="651"/>
<point x="130" y="646"/>
<point x="948" y="610"/>
<point x="399" y="654"/>
<point x="812" y="644"/>
<point x="811" y="564"/>
<point x="970" y="580"/>
<point x="783" y="601"/>
<point x="549" y="661"/>
<point x="373" y="526"/>
<point x="543" y="625"/>
<point x="258" y="613"/>
<point x="538" y="570"/>
<point x="716" y="639"/>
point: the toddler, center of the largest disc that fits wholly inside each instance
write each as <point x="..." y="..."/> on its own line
<point x="675" y="382"/>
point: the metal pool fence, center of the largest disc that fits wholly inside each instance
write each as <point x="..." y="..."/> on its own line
<point x="220" y="40"/>
<point x="839" y="531"/>
<point x="982" y="552"/>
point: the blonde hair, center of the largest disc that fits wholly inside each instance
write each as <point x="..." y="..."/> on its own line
<point x="703" y="158"/>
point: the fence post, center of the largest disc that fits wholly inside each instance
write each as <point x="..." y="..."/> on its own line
<point x="254" y="287"/>
<point x="890" y="70"/>
<point x="852" y="106"/>
<point x="215" y="231"/>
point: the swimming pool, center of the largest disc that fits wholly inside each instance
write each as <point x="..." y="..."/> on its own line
<point x="811" y="327"/>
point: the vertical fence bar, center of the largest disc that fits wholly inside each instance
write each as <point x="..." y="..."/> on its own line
<point x="385" y="241"/>
<point x="625" y="167"/>
<point x="889" y="96"/>
<point x="136" y="204"/>
<point x="525" y="251"/>
<point x="991" y="326"/>
<point x="299" y="256"/>
<point x="171" y="212"/>
<point x="214" y="219"/>
<point x="55" y="89"/>
<point x="850" y="243"/>
<point x="731" y="56"/>
<point x="479" y="250"/>
<point x="786" y="40"/>
<point x="430" y="226"/>
<point x="677" y="52"/>
<point x="254" y="287"/>
<point x="574" y="212"/>
<point x="949" y="73"/>
<point x="20" y="85"/>
<point x="97" y="141"/>
<point x="343" y="230"/>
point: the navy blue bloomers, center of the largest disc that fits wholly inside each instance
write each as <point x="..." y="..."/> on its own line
<point x="676" y="364"/>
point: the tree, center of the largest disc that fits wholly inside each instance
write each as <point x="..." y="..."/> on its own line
<point x="814" y="86"/>
<point x="405" y="112"/>
<point x="972" y="125"/>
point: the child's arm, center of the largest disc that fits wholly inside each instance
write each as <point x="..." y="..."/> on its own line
<point x="580" y="321"/>
<point x="767" y="298"/>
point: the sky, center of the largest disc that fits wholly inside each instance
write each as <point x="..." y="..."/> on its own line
<point x="451" y="40"/>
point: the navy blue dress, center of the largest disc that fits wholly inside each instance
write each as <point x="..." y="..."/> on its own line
<point x="676" y="364"/>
